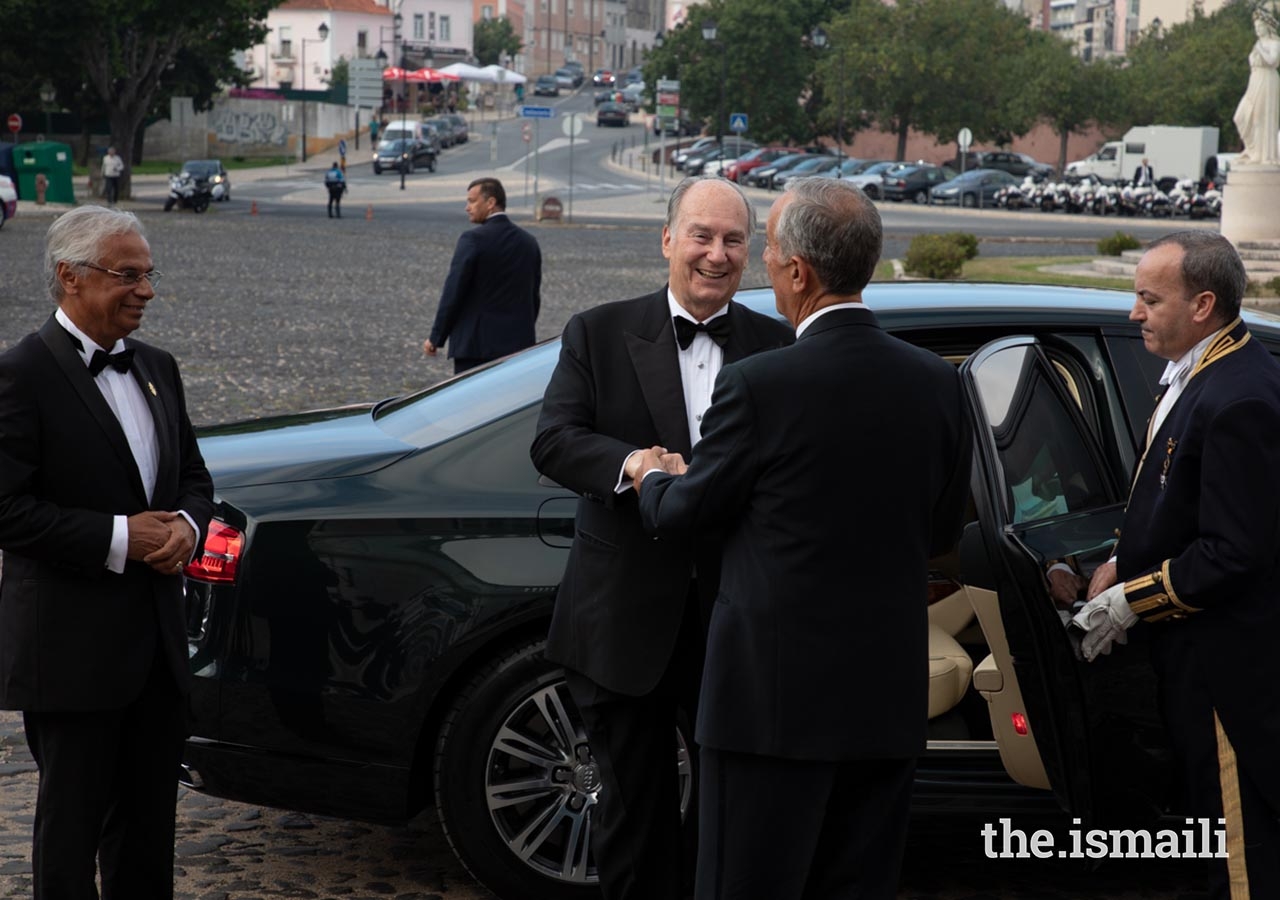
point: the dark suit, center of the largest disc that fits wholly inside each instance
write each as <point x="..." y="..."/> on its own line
<point x="96" y="660"/>
<point x="1144" y="175"/>
<point x="626" y="622"/>
<point x="492" y="294"/>
<point x="1200" y="558"/>
<point x="839" y="466"/>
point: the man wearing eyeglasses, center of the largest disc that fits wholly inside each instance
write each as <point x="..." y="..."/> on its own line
<point x="104" y="497"/>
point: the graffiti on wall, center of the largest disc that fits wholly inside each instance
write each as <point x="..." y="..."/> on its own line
<point x="233" y="127"/>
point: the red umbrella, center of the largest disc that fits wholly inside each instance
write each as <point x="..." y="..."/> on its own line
<point x="432" y="75"/>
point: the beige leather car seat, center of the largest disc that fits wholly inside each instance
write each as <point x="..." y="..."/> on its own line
<point x="949" y="671"/>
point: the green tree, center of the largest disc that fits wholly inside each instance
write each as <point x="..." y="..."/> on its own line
<point x="131" y="55"/>
<point x="1193" y="73"/>
<point x="496" y="39"/>
<point x="933" y="65"/>
<point x="340" y="74"/>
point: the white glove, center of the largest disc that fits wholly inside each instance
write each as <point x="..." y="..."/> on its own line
<point x="1105" y="619"/>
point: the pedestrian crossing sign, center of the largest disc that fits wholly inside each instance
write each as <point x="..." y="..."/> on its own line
<point x="738" y="122"/>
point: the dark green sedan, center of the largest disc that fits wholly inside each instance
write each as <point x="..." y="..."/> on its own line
<point x="366" y="622"/>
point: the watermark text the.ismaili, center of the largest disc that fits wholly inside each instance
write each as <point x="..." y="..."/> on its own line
<point x="1199" y="839"/>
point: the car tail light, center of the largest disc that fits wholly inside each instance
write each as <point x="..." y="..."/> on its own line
<point x="898" y="182"/>
<point x="1020" y="724"/>
<point x="218" y="563"/>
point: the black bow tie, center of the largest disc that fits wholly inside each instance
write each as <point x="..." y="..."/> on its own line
<point x="717" y="329"/>
<point x="121" y="362"/>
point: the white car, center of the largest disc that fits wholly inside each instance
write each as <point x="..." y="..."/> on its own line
<point x="8" y="199"/>
<point x="871" y="179"/>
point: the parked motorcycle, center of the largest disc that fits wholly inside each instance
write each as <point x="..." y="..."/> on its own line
<point x="188" y="193"/>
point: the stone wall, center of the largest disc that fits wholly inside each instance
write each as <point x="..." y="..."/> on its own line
<point x="238" y="126"/>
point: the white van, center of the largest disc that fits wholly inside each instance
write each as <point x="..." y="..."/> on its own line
<point x="398" y="129"/>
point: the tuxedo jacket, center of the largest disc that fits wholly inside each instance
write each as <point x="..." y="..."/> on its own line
<point x="839" y="466"/>
<point x="617" y="388"/>
<point x="1144" y="170"/>
<point x="492" y="294"/>
<point x="73" y="635"/>
<point x="1200" y="547"/>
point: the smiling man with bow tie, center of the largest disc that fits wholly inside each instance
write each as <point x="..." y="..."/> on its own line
<point x="627" y="624"/>
<point x="104" y="497"/>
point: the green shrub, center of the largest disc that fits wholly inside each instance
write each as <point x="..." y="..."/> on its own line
<point x="1117" y="244"/>
<point x="1274" y="285"/>
<point x="934" y="256"/>
<point x="966" y="242"/>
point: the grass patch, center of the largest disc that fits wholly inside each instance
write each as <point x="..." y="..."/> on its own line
<point x="1023" y="270"/>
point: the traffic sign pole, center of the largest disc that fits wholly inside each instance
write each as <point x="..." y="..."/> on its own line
<point x="15" y="125"/>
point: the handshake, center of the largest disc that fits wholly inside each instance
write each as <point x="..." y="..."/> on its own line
<point x="642" y="462"/>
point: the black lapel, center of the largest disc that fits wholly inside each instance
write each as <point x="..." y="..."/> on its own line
<point x="166" y="452"/>
<point x="58" y="340"/>
<point x="744" y="337"/>
<point x="651" y="345"/>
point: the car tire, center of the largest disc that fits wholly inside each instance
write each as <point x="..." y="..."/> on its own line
<point x="4" y="217"/>
<point x="969" y="200"/>
<point x="920" y="197"/>
<point x="521" y="693"/>
<point x="377" y="170"/>
<point x="873" y="192"/>
<point x="201" y="203"/>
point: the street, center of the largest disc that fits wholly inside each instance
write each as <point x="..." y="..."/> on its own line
<point x="283" y="310"/>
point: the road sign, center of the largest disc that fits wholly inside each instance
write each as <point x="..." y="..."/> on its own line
<point x="668" y="84"/>
<point x="964" y="139"/>
<point x="738" y="122"/>
<point x="342" y="148"/>
<point x="536" y="112"/>
<point x="571" y="125"/>
<point x="15" y="123"/>
<point x="364" y="83"/>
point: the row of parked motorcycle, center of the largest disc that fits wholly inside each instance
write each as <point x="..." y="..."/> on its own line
<point x="1187" y="197"/>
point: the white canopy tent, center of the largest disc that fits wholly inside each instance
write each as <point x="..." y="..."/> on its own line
<point x="492" y="74"/>
<point x="466" y="72"/>
<point x="504" y="76"/>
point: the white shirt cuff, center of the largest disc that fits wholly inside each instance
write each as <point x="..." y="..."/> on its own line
<point x="118" y="552"/>
<point x="624" y="483"/>
<point x="197" y="550"/>
<point x="1061" y="567"/>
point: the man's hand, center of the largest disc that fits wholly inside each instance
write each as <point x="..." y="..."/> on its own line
<point x="645" y="462"/>
<point x="673" y="464"/>
<point x="1106" y="620"/>
<point x="1103" y="577"/>
<point x="1064" y="586"/>
<point x="429" y="348"/>
<point x="170" y="558"/>
<point x="148" y="532"/>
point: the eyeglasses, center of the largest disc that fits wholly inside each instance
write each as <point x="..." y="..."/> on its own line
<point x="128" y="278"/>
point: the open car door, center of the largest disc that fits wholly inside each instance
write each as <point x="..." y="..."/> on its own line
<point x="1044" y="492"/>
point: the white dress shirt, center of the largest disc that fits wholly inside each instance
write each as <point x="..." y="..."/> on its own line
<point x="124" y="395"/>
<point x="1175" y="377"/>
<point x="700" y="363"/>
<point x="812" y="317"/>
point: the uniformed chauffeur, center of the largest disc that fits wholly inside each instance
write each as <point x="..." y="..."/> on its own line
<point x="1199" y="557"/>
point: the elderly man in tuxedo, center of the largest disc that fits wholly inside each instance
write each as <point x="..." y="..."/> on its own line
<point x="836" y="468"/>
<point x="627" y="624"/>
<point x="104" y="498"/>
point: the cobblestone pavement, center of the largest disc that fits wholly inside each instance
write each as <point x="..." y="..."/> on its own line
<point x="273" y="314"/>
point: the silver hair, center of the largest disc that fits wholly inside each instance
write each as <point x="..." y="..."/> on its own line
<point x="677" y="196"/>
<point x="835" y="228"/>
<point x="76" y="238"/>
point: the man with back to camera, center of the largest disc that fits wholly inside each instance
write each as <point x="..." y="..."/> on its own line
<point x="628" y="620"/>
<point x="1199" y="554"/>
<point x="821" y="618"/>
<point x="493" y="291"/>
<point x="104" y="497"/>
<point x="336" y="183"/>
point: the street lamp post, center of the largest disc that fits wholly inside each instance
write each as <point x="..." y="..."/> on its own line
<point x="381" y="56"/>
<point x="47" y="96"/>
<point x="709" y="35"/>
<point x="819" y="38"/>
<point x="324" y="36"/>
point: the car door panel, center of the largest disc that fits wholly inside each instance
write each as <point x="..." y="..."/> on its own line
<point x="1045" y="491"/>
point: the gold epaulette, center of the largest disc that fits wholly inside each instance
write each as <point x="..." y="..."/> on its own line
<point x="1228" y="341"/>
<point x="1153" y="599"/>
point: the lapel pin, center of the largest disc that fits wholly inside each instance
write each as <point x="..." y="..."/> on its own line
<point x="152" y="388"/>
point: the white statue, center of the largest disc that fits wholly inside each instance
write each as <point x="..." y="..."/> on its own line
<point x="1257" y="117"/>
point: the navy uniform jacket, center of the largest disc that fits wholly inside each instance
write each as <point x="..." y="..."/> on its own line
<point x="839" y="466"/>
<point x="617" y="388"/>
<point x="493" y="292"/>
<point x="1200" y="549"/>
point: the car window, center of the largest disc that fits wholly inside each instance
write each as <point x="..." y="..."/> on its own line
<point x="473" y="399"/>
<point x="1049" y="470"/>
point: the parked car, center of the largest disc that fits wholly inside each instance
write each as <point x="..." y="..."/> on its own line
<point x="212" y="172"/>
<point x="602" y="78"/>
<point x="762" y="176"/>
<point x="366" y="621"/>
<point x="976" y="188"/>
<point x="579" y="72"/>
<point x="8" y="199"/>
<point x="461" y="130"/>
<point x="913" y="182"/>
<point x="702" y="143"/>
<point x="633" y="95"/>
<point x="761" y="156"/>
<point x="871" y="179"/>
<point x="1019" y="164"/>
<point x="634" y="75"/>
<point x="406" y="154"/>
<point x="817" y="165"/>
<point x="612" y="114"/>
<point x="566" y="79"/>
<point x="546" y="86"/>
<point x="733" y="148"/>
